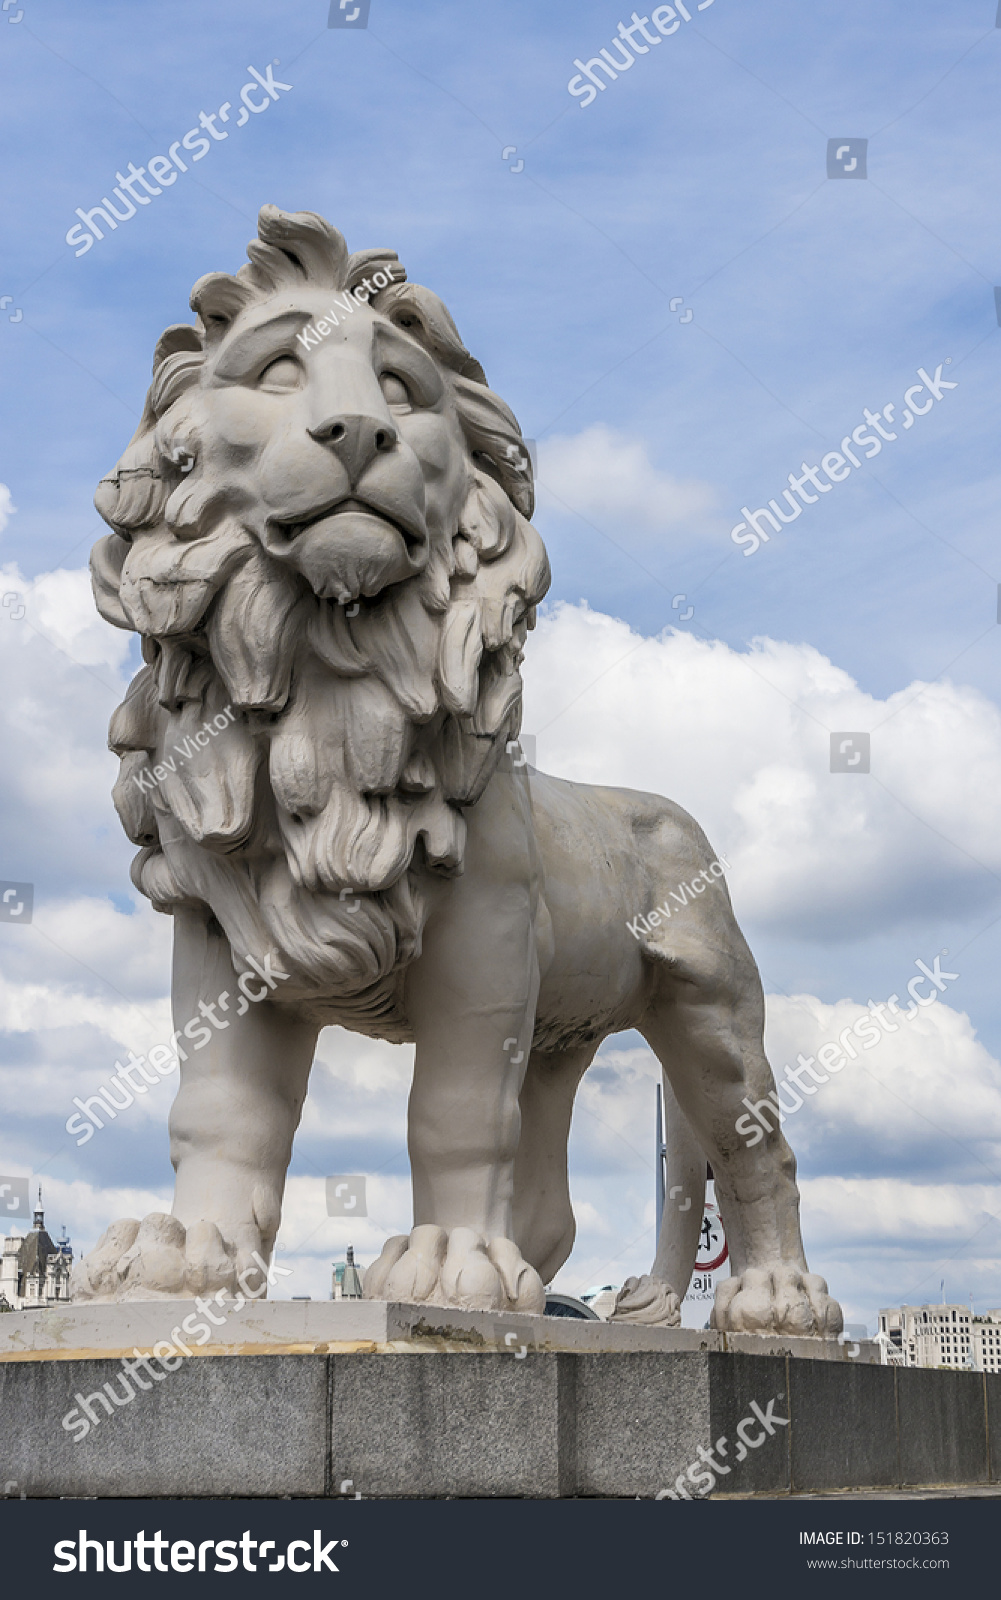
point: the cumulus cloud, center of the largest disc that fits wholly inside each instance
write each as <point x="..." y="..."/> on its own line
<point x="892" y="1241"/>
<point x="7" y="506"/>
<point x="82" y="947"/>
<point x="927" y="1095"/>
<point x="603" y="474"/>
<point x="64" y="670"/>
<point x="742" y="740"/>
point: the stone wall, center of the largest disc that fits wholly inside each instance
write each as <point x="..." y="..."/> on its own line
<point x="493" y="1424"/>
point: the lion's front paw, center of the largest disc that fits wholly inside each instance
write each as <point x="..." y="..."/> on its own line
<point x="647" y="1301"/>
<point x="455" y="1268"/>
<point x="160" y="1259"/>
<point x="777" y="1299"/>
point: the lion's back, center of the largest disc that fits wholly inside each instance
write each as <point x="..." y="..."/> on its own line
<point x="616" y="834"/>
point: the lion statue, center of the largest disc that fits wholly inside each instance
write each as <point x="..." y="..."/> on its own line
<point x="321" y="533"/>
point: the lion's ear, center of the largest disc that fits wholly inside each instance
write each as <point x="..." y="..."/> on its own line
<point x="106" y="561"/>
<point x="217" y="298"/>
<point x="180" y="336"/>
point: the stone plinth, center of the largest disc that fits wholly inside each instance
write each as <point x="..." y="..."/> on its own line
<point x="381" y="1400"/>
<point x="325" y="1327"/>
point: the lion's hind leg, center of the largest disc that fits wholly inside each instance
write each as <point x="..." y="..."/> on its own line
<point x="705" y="1023"/>
<point x="544" y="1223"/>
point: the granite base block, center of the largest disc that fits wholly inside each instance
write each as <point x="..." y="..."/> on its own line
<point x="844" y="1431"/>
<point x="638" y="1422"/>
<point x="233" y="1425"/>
<point x="453" y="1410"/>
<point x="943" y="1427"/>
<point x="478" y="1426"/>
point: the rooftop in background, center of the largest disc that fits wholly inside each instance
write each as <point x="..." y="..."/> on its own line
<point x="951" y="1336"/>
<point x="34" y="1270"/>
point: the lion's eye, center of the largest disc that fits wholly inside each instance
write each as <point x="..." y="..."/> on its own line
<point x="395" y="390"/>
<point x="285" y="373"/>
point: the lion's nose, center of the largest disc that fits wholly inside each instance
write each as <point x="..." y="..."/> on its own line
<point x="355" y="440"/>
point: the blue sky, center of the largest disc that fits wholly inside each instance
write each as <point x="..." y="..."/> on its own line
<point x="698" y="176"/>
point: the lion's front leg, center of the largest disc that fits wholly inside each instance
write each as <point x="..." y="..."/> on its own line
<point x="471" y="1002"/>
<point x="237" y="1108"/>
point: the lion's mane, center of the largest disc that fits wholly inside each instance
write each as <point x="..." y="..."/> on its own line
<point x="337" y="745"/>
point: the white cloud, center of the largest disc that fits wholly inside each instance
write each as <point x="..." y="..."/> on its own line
<point x="64" y="670"/>
<point x="601" y="473"/>
<point x="61" y="607"/>
<point x="741" y="739"/>
<point x="7" y="506"/>
<point x="930" y="1091"/>
<point x="79" y="948"/>
<point x="896" y="1212"/>
<point x="874" y="1235"/>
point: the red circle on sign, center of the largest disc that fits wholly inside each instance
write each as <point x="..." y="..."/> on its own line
<point x="713" y="1217"/>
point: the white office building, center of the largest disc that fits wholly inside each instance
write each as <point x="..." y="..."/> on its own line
<point x="949" y="1336"/>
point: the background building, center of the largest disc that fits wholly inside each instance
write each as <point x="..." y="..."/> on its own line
<point x="346" y="1283"/>
<point x="33" y="1270"/>
<point x="601" y="1299"/>
<point x="942" y="1336"/>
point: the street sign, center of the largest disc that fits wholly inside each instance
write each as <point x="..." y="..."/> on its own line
<point x="713" y="1249"/>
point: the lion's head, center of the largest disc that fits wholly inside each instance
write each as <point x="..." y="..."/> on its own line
<point x="321" y="533"/>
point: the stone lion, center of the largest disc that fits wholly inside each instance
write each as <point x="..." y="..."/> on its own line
<point x="321" y="534"/>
